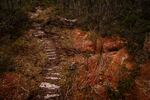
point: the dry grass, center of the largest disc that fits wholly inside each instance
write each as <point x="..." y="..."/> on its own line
<point x="27" y="59"/>
<point x="85" y="74"/>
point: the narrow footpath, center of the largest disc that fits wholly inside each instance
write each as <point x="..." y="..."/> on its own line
<point x="49" y="89"/>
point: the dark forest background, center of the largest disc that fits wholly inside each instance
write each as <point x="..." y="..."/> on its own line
<point x="127" y="18"/>
<point x="105" y="16"/>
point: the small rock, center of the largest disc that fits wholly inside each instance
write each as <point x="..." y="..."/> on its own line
<point x="72" y="66"/>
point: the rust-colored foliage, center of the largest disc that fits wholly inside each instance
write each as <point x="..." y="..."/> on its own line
<point x="10" y="87"/>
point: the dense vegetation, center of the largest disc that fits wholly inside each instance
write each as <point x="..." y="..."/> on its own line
<point x="21" y="54"/>
<point x="105" y="16"/>
<point x="119" y="16"/>
<point x="128" y="18"/>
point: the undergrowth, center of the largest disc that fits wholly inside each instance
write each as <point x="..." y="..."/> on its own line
<point x="124" y="86"/>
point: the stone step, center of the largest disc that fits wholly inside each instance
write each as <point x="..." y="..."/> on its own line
<point x="49" y="86"/>
<point x="48" y="69"/>
<point x="50" y="96"/>
<point x="52" y="70"/>
<point x="41" y="40"/>
<point x="38" y="28"/>
<point x="36" y="24"/>
<point x="51" y="59"/>
<point x="55" y="72"/>
<point x="49" y="66"/>
<point x="39" y="32"/>
<point x="56" y="82"/>
<point x="51" y="55"/>
<point x="52" y="78"/>
<point x="36" y="35"/>
<point x="50" y="50"/>
<point x="48" y="73"/>
<point x="50" y="91"/>
<point x="58" y="74"/>
<point x="39" y="36"/>
<point x="54" y="91"/>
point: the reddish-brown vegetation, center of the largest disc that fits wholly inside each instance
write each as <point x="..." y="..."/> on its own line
<point x="81" y="41"/>
<point x="10" y="88"/>
<point x="104" y="63"/>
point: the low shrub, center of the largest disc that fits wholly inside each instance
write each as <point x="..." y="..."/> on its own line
<point x="12" y="22"/>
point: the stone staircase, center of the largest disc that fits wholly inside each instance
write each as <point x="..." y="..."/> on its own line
<point x="49" y="88"/>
